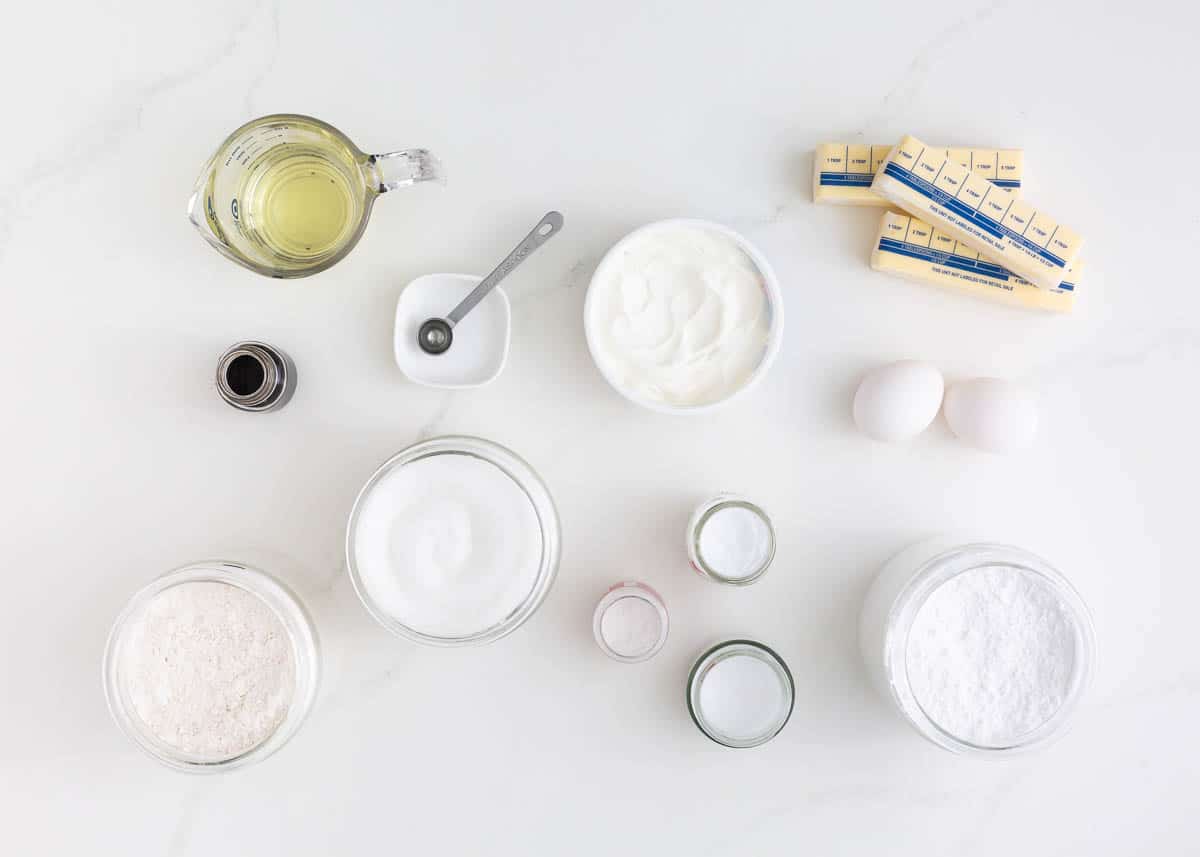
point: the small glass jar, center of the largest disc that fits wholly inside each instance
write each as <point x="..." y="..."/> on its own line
<point x="756" y="558"/>
<point x="745" y="675"/>
<point x="301" y="634"/>
<point x="614" y="613"/>
<point x="895" y="599"/>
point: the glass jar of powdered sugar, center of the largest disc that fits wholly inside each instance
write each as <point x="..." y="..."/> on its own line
<point x="211" y="667"/>
<point x="985" y="649"/>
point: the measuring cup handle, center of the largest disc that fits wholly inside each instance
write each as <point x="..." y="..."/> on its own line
<point x="400" y="169"/>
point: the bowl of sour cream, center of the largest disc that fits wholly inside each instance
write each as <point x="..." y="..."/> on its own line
<point x="683" y="316"/>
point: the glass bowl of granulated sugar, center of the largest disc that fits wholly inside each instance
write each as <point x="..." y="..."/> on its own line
<point x="211" y="667"/>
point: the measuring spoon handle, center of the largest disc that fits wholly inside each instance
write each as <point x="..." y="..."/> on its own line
<point x="543" y="232"/>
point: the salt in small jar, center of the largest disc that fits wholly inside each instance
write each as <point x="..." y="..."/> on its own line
<point x="630" y="623"/>
<point x="730" y="540"/>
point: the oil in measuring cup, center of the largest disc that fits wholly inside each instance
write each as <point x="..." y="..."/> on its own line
<point x="288" y="195"/>
<point x="299" y="202"/>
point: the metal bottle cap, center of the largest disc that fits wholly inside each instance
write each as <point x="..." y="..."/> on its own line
<point x="254" y="376"/>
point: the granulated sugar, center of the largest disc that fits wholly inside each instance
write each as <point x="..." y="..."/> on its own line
<point x="209" y="669"/>
<point x="991" y="655"/>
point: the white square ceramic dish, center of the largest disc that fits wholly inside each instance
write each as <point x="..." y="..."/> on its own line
<point x="480" y="347"/>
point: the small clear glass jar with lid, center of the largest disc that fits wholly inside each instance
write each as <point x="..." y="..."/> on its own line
<point x="893" y="608"/>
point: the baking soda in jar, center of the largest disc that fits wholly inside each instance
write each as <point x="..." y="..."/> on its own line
<point x="730" y="540"/>
<point x="630" y="623"/>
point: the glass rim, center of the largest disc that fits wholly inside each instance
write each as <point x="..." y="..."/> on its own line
<point x="540" y="500"/>
<point x="292" y="117"/>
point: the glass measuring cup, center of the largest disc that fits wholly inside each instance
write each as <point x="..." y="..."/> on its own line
<point x="288" y="195"/>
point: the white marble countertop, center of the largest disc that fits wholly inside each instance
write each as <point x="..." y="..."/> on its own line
<point x="121" y="462"/>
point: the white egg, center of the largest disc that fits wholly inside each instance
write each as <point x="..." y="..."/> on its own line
<point x="898" y="401"/>
<point x="992" y="414"/>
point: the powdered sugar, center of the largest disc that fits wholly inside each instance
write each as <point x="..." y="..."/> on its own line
<point x="991" y="655"/>
<point x="208" y="668"/>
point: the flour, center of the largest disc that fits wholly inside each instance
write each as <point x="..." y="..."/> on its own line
<point x="209" y="669"/>
<point x="991" y="655"/>
<point x="631" y="626"/>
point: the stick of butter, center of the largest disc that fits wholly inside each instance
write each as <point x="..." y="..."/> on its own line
<point x="1007" y="230"/>
<point x="916" y="251"/>
<point x="842" y="172"/>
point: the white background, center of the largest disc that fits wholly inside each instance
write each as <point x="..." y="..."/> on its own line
<point x="121" y="462"/>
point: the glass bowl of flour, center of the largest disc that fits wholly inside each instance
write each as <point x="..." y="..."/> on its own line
<point x="683" y="316"/>
<point x="211" y="667"/>
<point x="453" y="541"/>
<point x="985" y="649"/>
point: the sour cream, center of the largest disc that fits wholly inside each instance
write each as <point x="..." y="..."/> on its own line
<point x="679" y="315"/>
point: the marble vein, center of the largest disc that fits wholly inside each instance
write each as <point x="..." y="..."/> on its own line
<point x="432" y="427"/>
<point x="272" y="56"/>
<point x="899" y="97"/>
<point x="94" y="143"/>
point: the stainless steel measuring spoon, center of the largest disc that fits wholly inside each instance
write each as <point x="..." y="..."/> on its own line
<point x="436" y="334"/>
